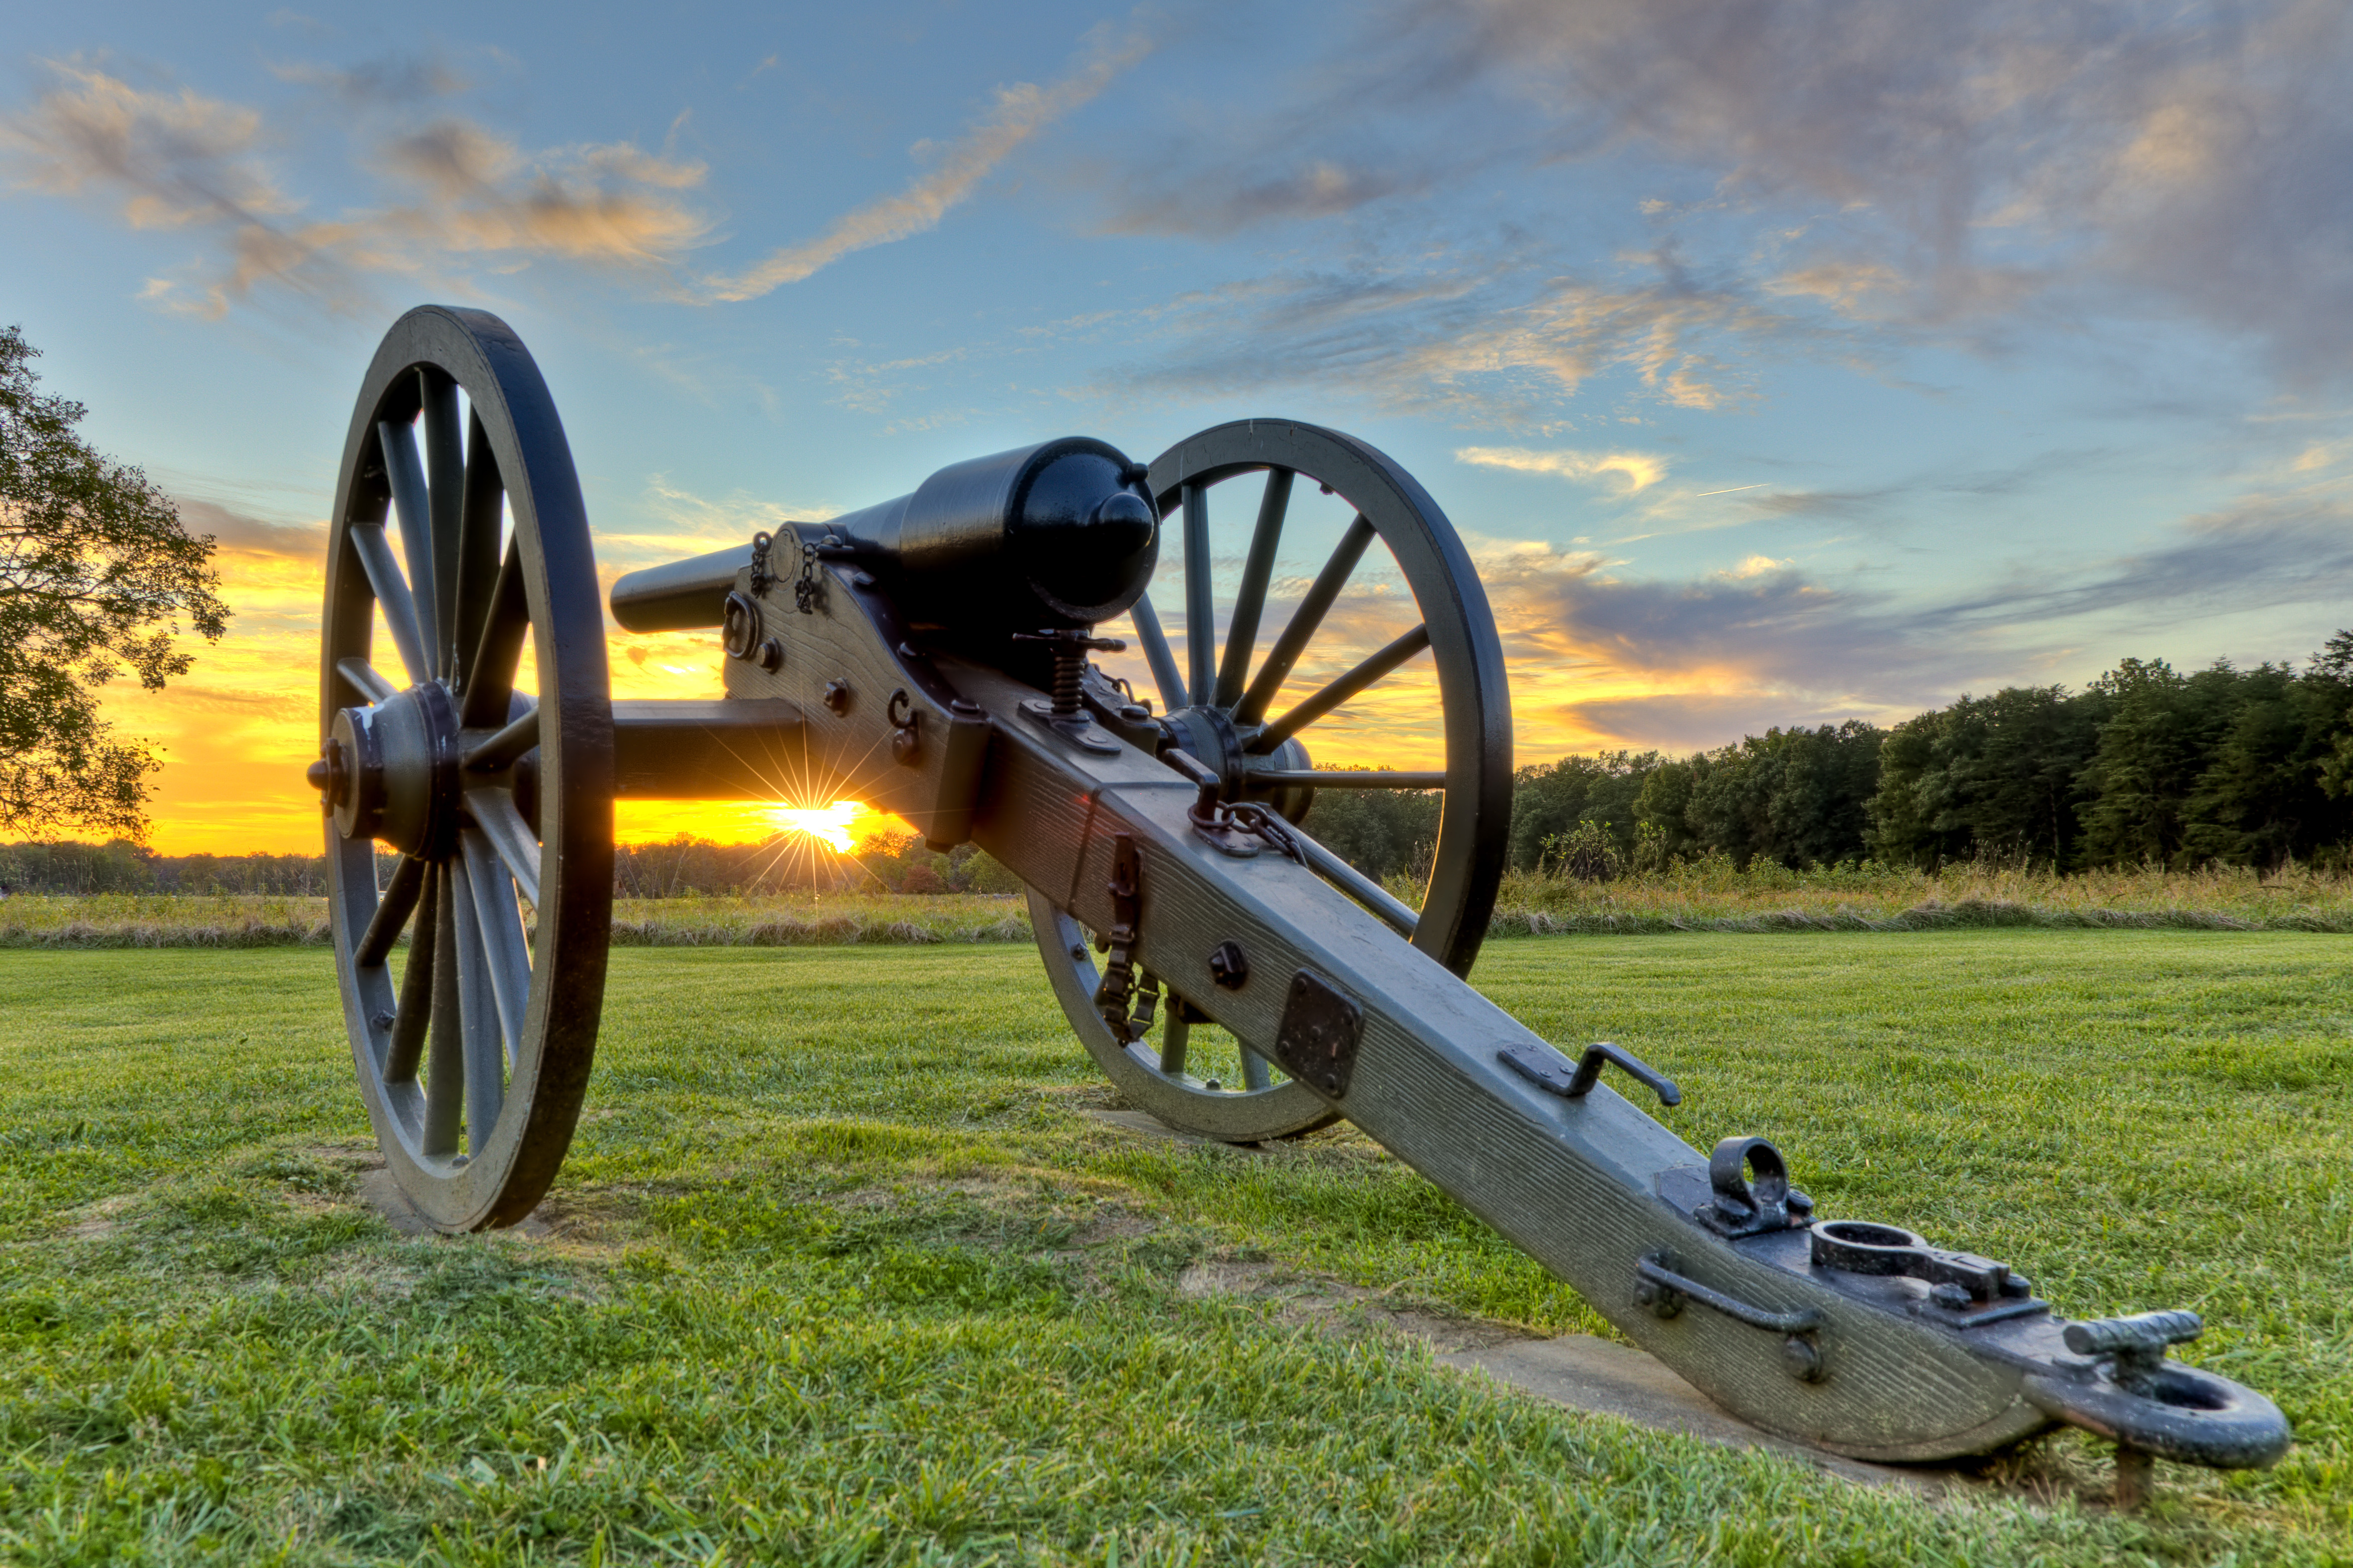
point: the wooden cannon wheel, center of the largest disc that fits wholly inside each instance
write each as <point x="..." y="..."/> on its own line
<point x="491" y="779"/>
<point x="1222" y="705"/>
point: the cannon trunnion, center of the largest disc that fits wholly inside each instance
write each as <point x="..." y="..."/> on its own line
<point x="934" y="655"/>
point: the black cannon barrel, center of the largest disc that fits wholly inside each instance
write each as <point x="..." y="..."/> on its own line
<point x="678" y="595"/>
<point x="1060" y="533"/>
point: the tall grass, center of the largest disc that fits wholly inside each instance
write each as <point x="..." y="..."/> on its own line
<point x="1706" y="895"/>
<point x="1711" y="894"/>
<point x="830" y="920"/>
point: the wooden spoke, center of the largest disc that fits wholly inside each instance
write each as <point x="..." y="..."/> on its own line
<point x="1175" y="1036"/>
<point x="1317" y="778"/>
<point x="1304" y="621"/>
<point x="1157" y="653"/>
<point x="1249" y="600"/>
<point x="1254" y="1070"/>
<point x="493" y="810"/>
<point x="1201" y="598"/>
<point x="362" y="677"/>
<point x="400" y="897"/>
<point x="406" y="473"/>
<point x="505" y="746"/>
<point x="486" y="1034"/>
<point x="475" y="568"/>
<point x="501" y="924"/>
<point x="445" y="468"/>
<point x="457" y="1002"/>
<point x="506" y="623"/>
<point x="1342" y="689"/>
<point x="414" y="1015"/>
<point x="392" y="596"/>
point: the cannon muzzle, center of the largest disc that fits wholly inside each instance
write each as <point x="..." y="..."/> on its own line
<point x="1062" y="533"/>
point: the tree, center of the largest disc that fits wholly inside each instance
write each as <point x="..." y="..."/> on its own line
<point x="95" y="572"/>
<point x="1987" y="775"/>
<point x="2161" y="737"/>
<point x="1549" y="800"/>
<point x="1795" y="796"/>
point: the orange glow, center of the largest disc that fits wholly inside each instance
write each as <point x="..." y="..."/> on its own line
<point x="828" y="824"/>
<point x="236" y="733"/>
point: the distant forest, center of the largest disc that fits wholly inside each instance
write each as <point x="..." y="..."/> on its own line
<point x="2146" y="766"/>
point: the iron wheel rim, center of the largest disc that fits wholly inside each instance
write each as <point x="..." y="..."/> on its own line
<point x="500" y="1042"/>
<point x="1467" y="860"/>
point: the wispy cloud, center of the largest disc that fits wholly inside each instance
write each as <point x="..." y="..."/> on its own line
<point x="1627" y="473"/>
<point x="1496" y="338"/>
<point x="1019" y="113"/>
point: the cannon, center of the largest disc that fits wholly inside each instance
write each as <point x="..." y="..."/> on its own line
<point x="934" y="654"/>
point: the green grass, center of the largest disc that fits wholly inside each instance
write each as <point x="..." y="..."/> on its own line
<point x="841" y="1274"/>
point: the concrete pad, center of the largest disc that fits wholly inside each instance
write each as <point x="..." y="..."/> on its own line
<point x="1583" y="1373"/>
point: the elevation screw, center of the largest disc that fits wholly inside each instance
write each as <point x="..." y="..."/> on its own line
<point x="1070" y="648"/>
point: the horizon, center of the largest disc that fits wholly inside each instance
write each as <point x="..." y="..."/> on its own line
<point x="1759" y="402"/>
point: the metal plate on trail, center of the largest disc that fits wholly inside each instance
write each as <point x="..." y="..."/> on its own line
<point x="1321" y="1027"/>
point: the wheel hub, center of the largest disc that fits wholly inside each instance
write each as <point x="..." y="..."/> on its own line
<point x="390" y="771"/>
<point x="1209" y="734"/>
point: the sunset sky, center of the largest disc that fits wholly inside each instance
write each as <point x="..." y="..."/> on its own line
<point x="1782" y="362"/>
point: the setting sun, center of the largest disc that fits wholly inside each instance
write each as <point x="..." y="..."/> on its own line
<point x="832" y="825"/>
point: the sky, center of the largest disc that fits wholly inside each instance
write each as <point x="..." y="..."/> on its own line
<point x="1782" y="361"/>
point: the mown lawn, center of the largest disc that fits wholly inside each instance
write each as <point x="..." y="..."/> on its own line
<point x="839" y="1274"/>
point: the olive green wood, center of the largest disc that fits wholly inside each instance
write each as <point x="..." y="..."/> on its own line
<point x="1236" y="1116"/>
<point x="1573" y="1182"/>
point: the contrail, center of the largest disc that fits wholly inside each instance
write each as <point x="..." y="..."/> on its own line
<point x="1022" y="111"/>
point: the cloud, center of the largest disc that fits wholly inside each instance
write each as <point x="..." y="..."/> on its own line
<point x="613" y="205"/>
<point x="392" y="80"/>
<point x="1599" y="658"/>
<point x="1947" y="166"/>
<point x="1021" y="111"/>
<point x="1494" y="340"/>
<point x="241" y="530"/>
<point x="185" y="162"/>
<point x="170" y="161"/>
<point x="1630" y="473"/>
<point x="1321" y="187"/>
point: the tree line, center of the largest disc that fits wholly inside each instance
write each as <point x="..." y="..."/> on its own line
<point x="2145" y="766"/>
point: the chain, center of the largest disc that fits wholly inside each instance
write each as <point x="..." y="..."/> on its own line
<point x="761" y="575"/>
<point x="1215" y="816"/>
<point x="807" y="585"/>
<point x="1118" y="987"/>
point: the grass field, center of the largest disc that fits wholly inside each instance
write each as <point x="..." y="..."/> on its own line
<point x="839" y="1274"/>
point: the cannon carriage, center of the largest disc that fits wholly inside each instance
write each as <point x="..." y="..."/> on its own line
<point x="935" y="653"/>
